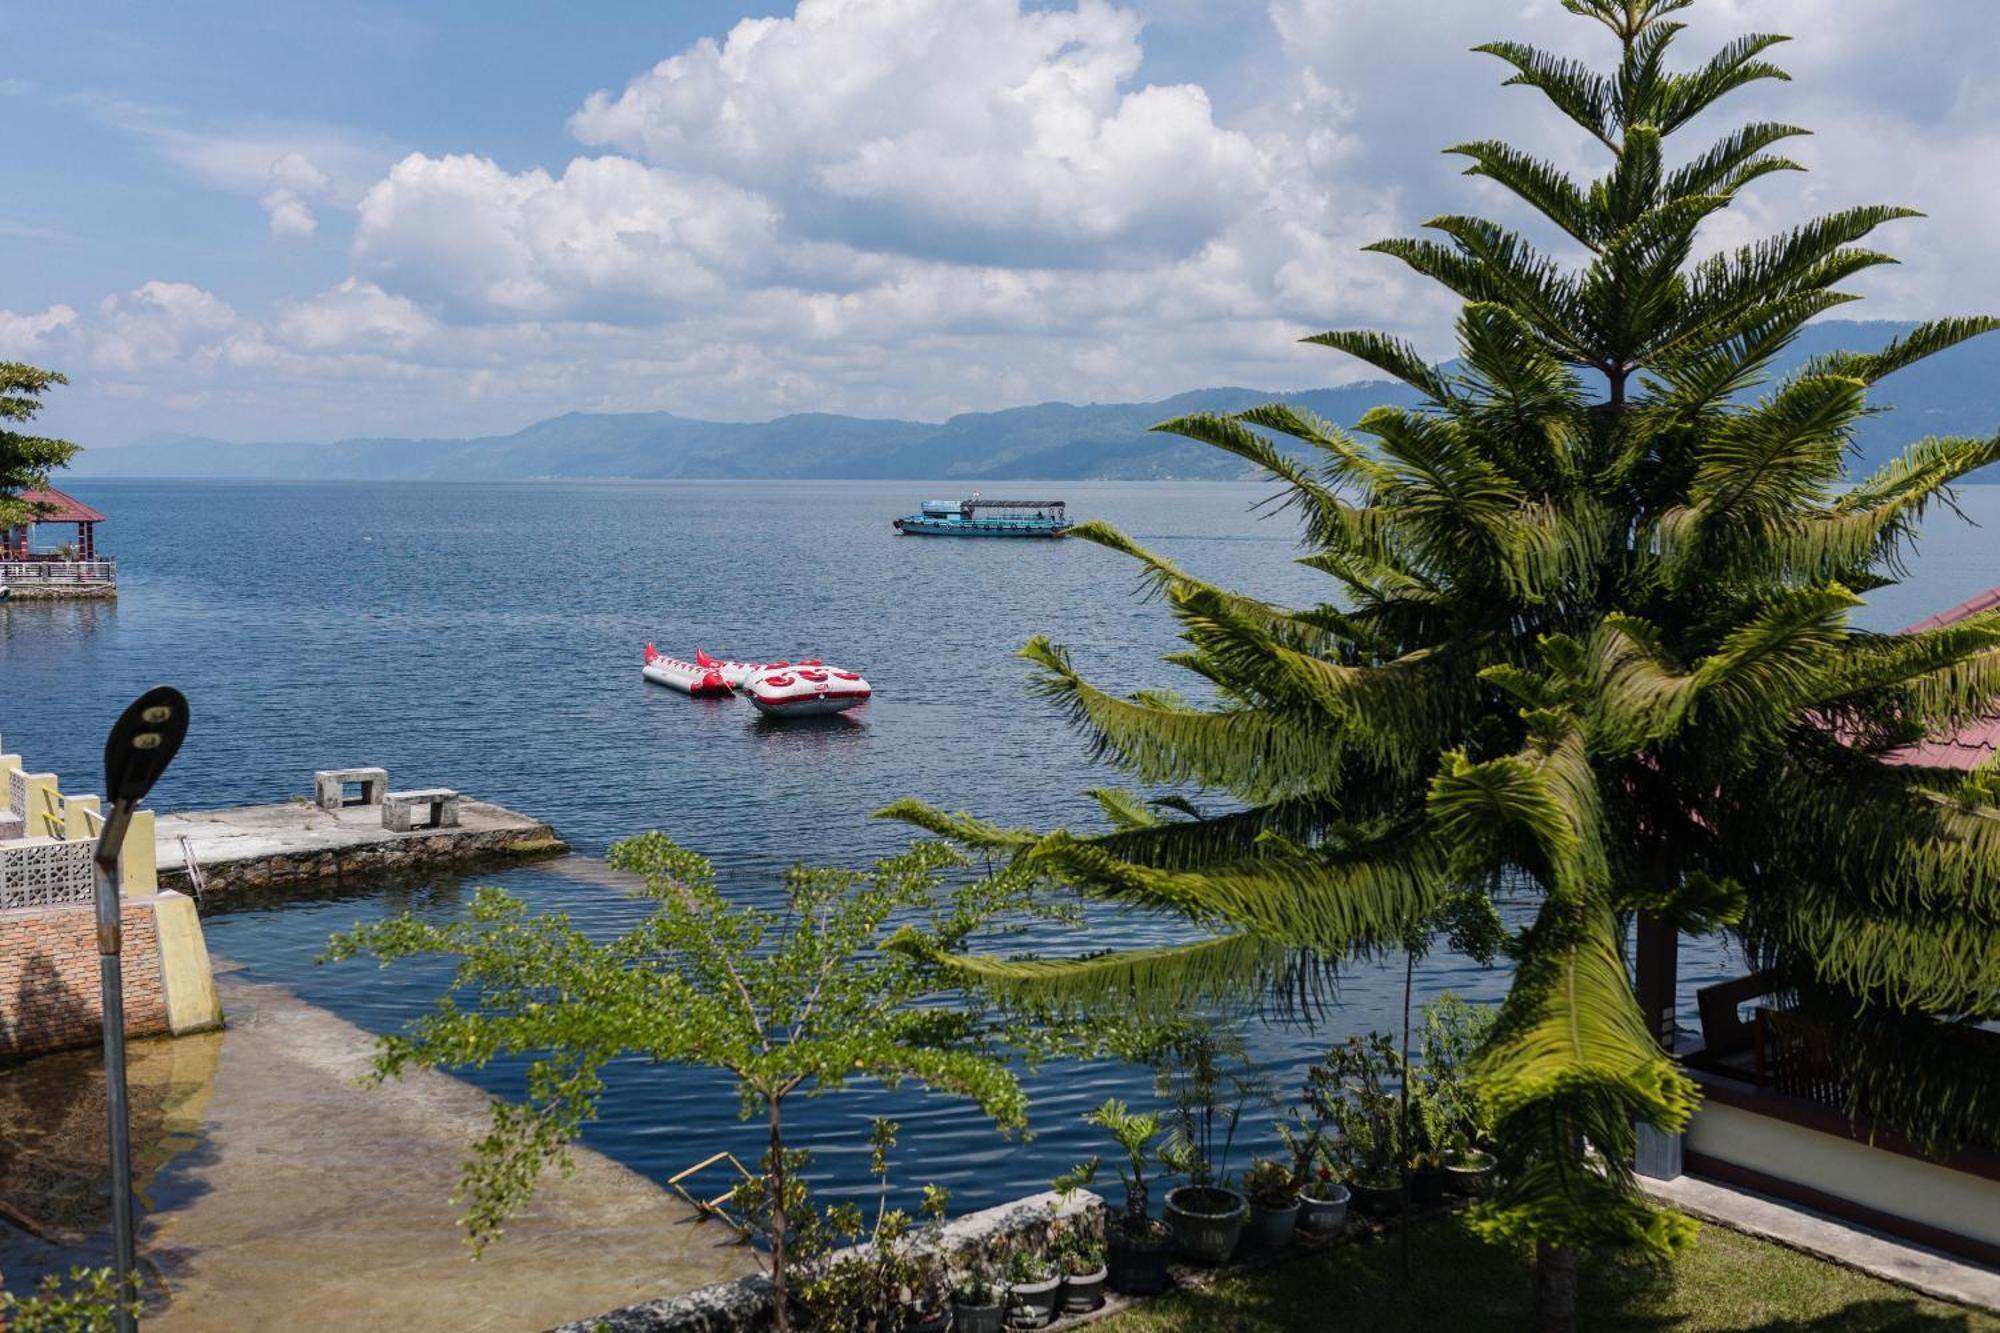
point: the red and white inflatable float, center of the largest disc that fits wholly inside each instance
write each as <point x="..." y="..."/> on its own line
<point x="804" y="689"/>
<point x="807" y="688"/>
<point x="701" y="680"/>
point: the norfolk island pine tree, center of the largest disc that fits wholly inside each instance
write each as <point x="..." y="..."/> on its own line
<point x="1590" y="641"/>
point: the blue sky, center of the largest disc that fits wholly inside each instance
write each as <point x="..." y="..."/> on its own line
<point x="281" y="222"/>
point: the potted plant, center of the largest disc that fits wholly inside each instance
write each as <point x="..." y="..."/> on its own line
<point x="1453" y="1031"/>
<point x="1323" y="1203"/>
<point x="1080" y="1255"/>
<point x="1274" y="1202"/>
<point x="1207" y="1216"/>
<point x="1353" y="1084"/>
<point x="1136" y="1244"/>
<point x="975" y="1303"/>
<point x="925" y="1274"/>
<point x="1033" y="1284"/>
<point x="1428" y="1138"/>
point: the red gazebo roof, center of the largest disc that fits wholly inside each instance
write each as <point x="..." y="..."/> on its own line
<point x="62" y="508"/>
<point x="1979" y="741"/>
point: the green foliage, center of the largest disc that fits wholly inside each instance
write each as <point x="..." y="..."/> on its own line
<point x="86" y="1302"/>
<point x="1453" y="1032"/>
<point x="25" y="460"/>
<point x="862" y="1277"/>
<point x="1270" y="1183"/>
<point x="1134" y="1133"/>
<point x="1354" y="1089"/>
<point x="1076" y="1246"/>
<point x="1588" y="638"/>
<point x="799" y="1000"/>
<point x="1210" y="1081"/>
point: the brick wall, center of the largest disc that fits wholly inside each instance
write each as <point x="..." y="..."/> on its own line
<point x="49" y="990"/>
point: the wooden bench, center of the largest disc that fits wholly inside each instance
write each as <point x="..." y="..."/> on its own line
<point x="399" y="808"/>
<point x="330" y="786"/>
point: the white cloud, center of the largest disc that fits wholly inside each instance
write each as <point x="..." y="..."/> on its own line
<point x="916" y="207"/>
<point x="968" y="130"/>
<point x="21" y="334"/>
<point x="609" y="238"/>
<point x="294" y="183"/>
<point x="289" y="169"/>
<point x="352" y="314"/>
<point x="161" y="324"/>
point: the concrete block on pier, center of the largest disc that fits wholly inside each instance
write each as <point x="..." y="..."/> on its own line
<point x="330" y="786"/>
<point x="399" y="809"/>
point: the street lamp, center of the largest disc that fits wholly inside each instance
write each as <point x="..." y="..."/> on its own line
<point x="141" y="745"/>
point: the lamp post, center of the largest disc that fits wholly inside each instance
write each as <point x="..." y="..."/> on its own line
<point x="141" y="745"/>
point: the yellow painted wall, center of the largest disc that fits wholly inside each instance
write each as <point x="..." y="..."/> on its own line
<point x="138" y="865"/>
<point x="192" y="1004"/>
<point x="1902" y="1186"/>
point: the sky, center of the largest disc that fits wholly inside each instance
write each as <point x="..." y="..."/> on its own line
<point x="276" y="222"/>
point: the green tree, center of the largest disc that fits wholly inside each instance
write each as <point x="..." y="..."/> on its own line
<point x="25" y="460"/>
<point x="1588" y="639"/>
<point x="798" y="1001"/>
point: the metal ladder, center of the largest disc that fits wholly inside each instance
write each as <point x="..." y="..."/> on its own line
<point x="194" y="874"/>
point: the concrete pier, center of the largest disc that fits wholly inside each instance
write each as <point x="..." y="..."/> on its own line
<point x="264" y="846"/>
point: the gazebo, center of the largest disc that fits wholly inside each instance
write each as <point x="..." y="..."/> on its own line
<point x="51" y="506"/>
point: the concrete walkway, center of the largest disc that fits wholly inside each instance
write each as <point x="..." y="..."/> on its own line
<point x="1871" y="1252"/>
<point x="278" y="1193"/>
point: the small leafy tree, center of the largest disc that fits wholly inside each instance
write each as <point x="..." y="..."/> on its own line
<point x="1134" y="1132"/>
<point x="25" y="460"/>
<point x="87" y="1302"/>
<point x="787" y="1002"/>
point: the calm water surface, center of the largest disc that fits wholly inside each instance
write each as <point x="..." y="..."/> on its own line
<point x="488" y="637"/>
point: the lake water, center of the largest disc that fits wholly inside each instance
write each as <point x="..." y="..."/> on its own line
<point x="488" y="637"/>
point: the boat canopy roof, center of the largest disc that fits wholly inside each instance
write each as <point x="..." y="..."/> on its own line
<point x="978" y="502"/>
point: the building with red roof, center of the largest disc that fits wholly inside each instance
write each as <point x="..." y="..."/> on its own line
<point x="1974" y="744"/>
<point x="51" y="506"/>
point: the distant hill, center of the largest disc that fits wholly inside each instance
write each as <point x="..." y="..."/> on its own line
<point x="1957" y="393"/>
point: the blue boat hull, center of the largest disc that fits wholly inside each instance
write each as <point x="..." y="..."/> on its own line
<point x="915" y="527"/>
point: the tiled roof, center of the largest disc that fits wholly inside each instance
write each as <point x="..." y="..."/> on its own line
<point x="66" y="509"/>
<point x="1974" y="744"/>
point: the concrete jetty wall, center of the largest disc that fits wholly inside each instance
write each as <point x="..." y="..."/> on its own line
<point x="50" y="993"/>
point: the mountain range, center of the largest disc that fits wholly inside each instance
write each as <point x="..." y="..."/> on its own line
<point x="1956" y="393"/>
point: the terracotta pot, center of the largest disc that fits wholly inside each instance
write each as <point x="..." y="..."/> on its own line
<point x="1207" y="1221"/>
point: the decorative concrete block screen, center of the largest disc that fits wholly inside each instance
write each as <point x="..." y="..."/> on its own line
<point x="45" y="872"/>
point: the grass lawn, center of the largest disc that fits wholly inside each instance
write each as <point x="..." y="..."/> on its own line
<point x="1462" y="1285"/>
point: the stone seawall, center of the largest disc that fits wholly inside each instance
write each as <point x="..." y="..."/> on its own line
<point x="63" y="592"/>
<point x="745" y="1305"/>
<point x="468" y="848"/>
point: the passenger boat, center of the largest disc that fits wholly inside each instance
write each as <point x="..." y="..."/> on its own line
<point x="701" y="680"/>
<point x="804" y="689"/>
<point x="978" y="517"/>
